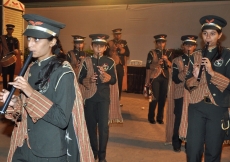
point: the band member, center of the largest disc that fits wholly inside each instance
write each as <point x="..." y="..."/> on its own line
<point x="48" y="114"/>
<point x="8" y="44"/>
<point x="157" y="74"/>
<point x="176" y="89"/>
<point x="119" y="51"/>
<point x="97" y="74"/>
<point x="77" y="54"/>
<point x="208" y="83"/>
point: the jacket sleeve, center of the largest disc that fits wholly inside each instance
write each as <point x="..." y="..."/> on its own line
<point x="175" y="74"/>
<point x="169" y="61"/>
<point x="189" y="77"/>
<point x="220" y="81"/>
<point x="83" y="73"/>
<point x="154" y="64"/>
<point x="127" y="52"/>
<point x="16" y="43"/>
<point x="58" y="111"/>
<point x="149" y="59"/>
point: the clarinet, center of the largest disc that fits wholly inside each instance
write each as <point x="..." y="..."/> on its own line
<point x="188" y="58"/>
<point x="201" y="67"/>
<point x="162" y="53"/>
<point x="97" y="69"/>
<point x="22" y="72"/>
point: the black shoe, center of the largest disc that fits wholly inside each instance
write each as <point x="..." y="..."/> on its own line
<point x="152" y="121"/>
<point x="177" y="149"/>
<point x="160" y="122"/>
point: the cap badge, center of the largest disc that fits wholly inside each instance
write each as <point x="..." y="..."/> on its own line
<point x="105" y="66"/>
<point x="219" y="62"/>
<point x="209" y="21"/>
<point x="191" y="38"/>
<point x="35" y="23"/>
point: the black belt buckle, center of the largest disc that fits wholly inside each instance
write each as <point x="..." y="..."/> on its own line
<point x="207" y="100"/>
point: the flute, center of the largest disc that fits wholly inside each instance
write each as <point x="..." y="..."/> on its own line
<point x="22" y="72"/>
<point x="201" y="67"/>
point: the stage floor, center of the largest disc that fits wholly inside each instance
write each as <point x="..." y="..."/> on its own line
<point x="134" y="141"/>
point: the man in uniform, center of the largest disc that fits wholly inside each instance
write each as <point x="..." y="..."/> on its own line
<point x="8" y="44"/>
<point x="118" y="50"/>
<point x="96" y="74"/>
<point x="75" y="56"/>
<point x="157" y="74"/>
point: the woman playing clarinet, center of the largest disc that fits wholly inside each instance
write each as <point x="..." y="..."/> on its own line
<point x="209" y="94"/>
<point x="48" y="114"/>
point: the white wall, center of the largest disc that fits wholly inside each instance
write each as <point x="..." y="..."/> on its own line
<point x="139" y="22"/>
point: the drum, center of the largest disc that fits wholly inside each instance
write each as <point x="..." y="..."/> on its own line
<point x="8" y="60"/>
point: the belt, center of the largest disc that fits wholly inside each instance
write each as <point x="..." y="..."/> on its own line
<point x="207" y="100"/>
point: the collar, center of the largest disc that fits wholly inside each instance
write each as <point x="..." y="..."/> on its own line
<point x="211" y="49"/>
<point x="39" y="62"/>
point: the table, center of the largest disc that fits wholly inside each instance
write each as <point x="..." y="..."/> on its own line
<point x="135" y="79"/>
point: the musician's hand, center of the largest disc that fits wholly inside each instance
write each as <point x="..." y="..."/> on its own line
<point x="185" y="70"/>
<point x="208" y="66"/>
<point x="23" y="85"/>
<point x="119" y="45"/>
<point x="101" y="69"/>
<point x="93" y="78"/>
<point x="16" y="51"/>
<point x="3" y="96"/>
<point x="165" y="58"/>
<point x="160" y="61"/>
<point x="121" y="48"/>
<point x="196" y="69"/>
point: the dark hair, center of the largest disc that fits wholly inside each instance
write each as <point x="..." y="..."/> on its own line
<point x="219" y="47"/>
<point x="53" y="64"/>
<point x="219" y="51"/>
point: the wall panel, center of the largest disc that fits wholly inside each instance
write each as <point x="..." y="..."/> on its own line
<point x="139" y="22"/>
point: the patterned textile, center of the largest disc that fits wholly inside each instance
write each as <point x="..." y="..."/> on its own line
<point x="170" y="117"/>
<point x="91" y="88"/>
<point x="20" y="133"/>
<point x="184" y="117"/>
<point x="175" y="91"/>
